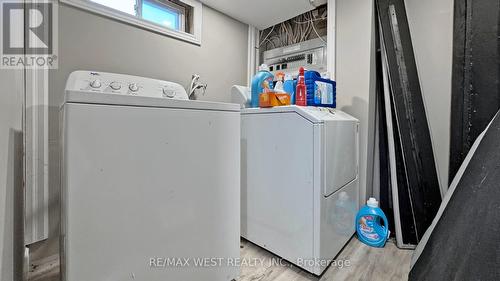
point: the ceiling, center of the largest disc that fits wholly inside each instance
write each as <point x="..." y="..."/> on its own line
<point x="262" y="13"/>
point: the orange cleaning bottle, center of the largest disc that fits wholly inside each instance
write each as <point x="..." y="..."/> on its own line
<point x="300" y="92"/>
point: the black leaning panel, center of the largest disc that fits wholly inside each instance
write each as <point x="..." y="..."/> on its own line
<point x="413" y="130"/>
<point x="458" y="116"/>
<point x="465" y="244"/>
<point x="476" y="74"/>
<point x="485" y="65"/>
<point x="406" y="219"/>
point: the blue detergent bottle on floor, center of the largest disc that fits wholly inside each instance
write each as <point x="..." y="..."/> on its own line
<point x="372" y="226"/>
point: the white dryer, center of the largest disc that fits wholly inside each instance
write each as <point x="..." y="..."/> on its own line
<point x="299" y="185"/>
<point x="150" y="179"/>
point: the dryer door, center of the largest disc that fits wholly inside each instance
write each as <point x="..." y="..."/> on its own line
<point x="341" y="154"/>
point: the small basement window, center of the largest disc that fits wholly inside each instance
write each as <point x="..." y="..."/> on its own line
<point x="176" y="18"/>
<point x="171" y="16"/>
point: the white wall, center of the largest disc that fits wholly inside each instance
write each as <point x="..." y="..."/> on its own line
<point x="431" y="28"/>
<point x="356" y="77"/>
<point x="11" y="98"/>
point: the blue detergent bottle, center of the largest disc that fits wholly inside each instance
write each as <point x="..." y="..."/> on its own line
<point x="261" y="82"/>
<point x="372" y="226"/>
<point x="289" y="87"/>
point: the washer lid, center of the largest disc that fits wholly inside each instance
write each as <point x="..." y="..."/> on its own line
<point x="311" y="113"/>
<point x="129" y="100"/>
<point x="120" y="89"/>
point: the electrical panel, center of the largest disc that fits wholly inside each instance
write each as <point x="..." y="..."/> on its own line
<point x="310" y="54"/>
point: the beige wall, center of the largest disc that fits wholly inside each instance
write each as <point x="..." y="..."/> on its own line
<point x="431" y="27"/>
<point x="11" y="236"/>
<point x="92" y="42"/>
<point x="356" y="77"/>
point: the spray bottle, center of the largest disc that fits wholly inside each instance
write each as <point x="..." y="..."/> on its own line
<point x="278" y="87"/>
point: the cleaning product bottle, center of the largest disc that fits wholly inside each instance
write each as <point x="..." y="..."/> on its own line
<point x="278" y="87"/>
<point x="372" y="226"/>
<point x="300" y="92"/>
<point x="261" y="82"/>
<point x="289" y="88"/>
<point x="321" y="91"/>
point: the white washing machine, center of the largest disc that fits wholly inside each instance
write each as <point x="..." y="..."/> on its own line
<point x="151" y="181"/>
<point x="299" y="185"/>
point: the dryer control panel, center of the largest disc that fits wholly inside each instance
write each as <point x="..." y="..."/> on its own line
<point x="122" y="84"/>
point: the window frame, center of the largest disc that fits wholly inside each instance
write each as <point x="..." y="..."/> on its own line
<point x="169" y="5"/>
<point x="138" y="21"/>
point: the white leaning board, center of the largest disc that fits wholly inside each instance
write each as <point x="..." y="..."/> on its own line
<point x="299" y="182"/>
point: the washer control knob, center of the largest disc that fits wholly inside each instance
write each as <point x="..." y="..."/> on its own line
<point x="95" y="84"/>
<point x="133" y="87"/>
<point x="169" y="93"/>
<point x="115" y="86"/>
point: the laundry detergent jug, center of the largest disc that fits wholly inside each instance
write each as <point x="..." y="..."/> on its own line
<point x="262" y="82"/>
<point x="372" y="226"/>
